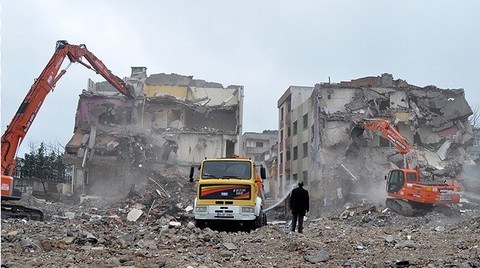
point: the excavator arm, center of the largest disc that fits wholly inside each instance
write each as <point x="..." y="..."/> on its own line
<point x="44" y="84"/>
<point x="388" y="131"/>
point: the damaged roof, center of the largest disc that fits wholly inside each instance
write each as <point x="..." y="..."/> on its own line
<point x="179" y="80"/>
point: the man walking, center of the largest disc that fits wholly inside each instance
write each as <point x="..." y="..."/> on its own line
<point x="299" y="204"/>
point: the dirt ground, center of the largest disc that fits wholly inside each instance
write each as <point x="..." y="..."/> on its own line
<point x="98" y="233"/>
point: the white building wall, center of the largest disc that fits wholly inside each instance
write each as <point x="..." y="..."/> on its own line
<point x="303" y="136"/>
<point x="335" y="99"/>
<point x="217" y="96"/>
<point x="300" y="95"/>
<point x="194" y="147"/>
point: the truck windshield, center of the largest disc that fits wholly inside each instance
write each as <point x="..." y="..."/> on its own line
<point x="226" y="169"/>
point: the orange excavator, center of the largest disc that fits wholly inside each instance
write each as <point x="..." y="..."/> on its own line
<point x="23" y="119"/>
<point x="409" y="193"/>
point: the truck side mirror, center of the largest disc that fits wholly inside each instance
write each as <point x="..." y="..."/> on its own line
<point x="263" y="174"/>
<point x="192" y="170"/>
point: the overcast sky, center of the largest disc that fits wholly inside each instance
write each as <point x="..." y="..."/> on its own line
<point x="266" y="46"/>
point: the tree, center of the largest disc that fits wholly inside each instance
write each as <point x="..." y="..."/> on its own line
<point x="475" y="117"/>
<point x="44" y="164"/>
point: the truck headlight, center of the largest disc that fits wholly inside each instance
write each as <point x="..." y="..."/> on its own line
<point x="248" y="210"/>
<point x="200" y="209"/>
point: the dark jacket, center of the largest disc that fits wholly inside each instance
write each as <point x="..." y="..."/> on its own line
<point x="299" y="201"/>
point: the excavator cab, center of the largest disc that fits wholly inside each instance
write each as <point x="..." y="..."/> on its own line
<point x="395" y="181"/>
<point x="398" y="177"/>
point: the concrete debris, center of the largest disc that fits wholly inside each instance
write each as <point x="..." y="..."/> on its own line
<point x="134" y="214"/>
<point x="69" y="215"/>
<point x="320" y="256"/>
<point x="174" y="224"/>
<point x="442" y="151"/>
<point x="230" y="246"/>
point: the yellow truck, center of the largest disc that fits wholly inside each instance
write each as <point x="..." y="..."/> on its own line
<point x="229" y="190"/>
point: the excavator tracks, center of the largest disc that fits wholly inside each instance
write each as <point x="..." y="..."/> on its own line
<point x="405" y="208"/>
<point x="21" y="212"/>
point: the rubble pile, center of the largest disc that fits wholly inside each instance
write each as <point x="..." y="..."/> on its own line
<point x="104" y="234"/>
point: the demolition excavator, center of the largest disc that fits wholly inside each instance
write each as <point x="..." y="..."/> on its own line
<point x="23" y="119"/>
<point x="410" y="193"/>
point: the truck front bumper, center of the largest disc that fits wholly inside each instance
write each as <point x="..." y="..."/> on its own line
<point x="225" y="212"/>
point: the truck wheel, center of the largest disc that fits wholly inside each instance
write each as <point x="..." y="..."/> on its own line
<point x="259" y="220"/>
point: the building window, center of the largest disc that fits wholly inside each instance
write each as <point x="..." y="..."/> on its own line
<point x="281" y="114"/>
<point x="289" y="131"/>
<point x="294" y="128"/>
<point x="295" y="153"/>
<point x="288" y="155"/>
<point x="476" y="142"/>
<point x="305" y="121"/>
<point x="305" y="149"/>
<point x="281" y="158"/>
<point x="305" y="177"/>
<point x="289" y="106"/>
<point x="281" y="135"/>
<point x="259" y="144"/>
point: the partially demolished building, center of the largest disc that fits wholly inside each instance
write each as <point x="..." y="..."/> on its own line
<point x="173" y="120"/>
<point x="338" y="163"/>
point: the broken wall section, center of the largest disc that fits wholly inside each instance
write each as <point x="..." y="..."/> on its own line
<point x="433" y="120"/>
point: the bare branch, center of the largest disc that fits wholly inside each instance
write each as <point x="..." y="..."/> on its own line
<point x="474" y="119"/>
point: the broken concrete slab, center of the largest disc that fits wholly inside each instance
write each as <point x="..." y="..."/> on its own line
<point x="230" y="246"/>
<point x="432" y="159"/>
<point x="320" y="256"/>
<point x="134" y="214"/>
<point x="442" y="151"/>
<point x="428" y="136"/>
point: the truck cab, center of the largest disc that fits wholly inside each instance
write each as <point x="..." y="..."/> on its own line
<point x="229" y="190"/>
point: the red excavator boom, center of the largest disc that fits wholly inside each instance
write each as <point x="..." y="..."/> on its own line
<point x="44" y="84"/>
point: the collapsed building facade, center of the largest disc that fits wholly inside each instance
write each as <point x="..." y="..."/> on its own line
<point x="173" y="120"/>
<point x="338" y="163"/>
